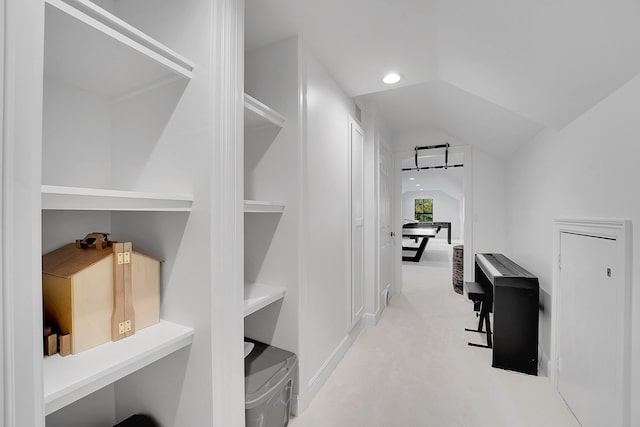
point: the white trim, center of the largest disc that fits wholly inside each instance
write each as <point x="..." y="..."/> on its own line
<point x="382" y="145"/>
<point x="21" y="159"/>
<point x="327" y="367"/>
<point x="467" y="221"/>
<point x="545" y="365"/>
<point x="396" y="219"/>
<point x="56" y="197"/>
<point x="616" y="229"/>
<point x="322" y="374"/>
<point x="355" y="316"/>
<point x="258" y="206"/>
<point x="257" y="114"/>
<point x="371" y="319"/>
<point x="115" y="28"/>
<point x="259" y="295"/>
<point x="303" y="230"/>
<point x="227" y="226"/>
<point x="375" y="218"/>
<point x="3" y="308"/>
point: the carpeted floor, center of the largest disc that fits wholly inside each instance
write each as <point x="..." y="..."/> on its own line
<point x="415" y="368"/>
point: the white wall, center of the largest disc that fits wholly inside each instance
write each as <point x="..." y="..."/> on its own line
<point x="446" y="208"/>
<point x="272" y="172"/>
<point x="588" y="169"/>
<point x="409" y="139"/>
<point x="306" y="249"/>
<point x="76" y="126"/>
<point x="325" y="306"/>
<point x="488" y="203"/>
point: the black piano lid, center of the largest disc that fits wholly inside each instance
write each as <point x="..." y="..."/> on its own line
<point x="498" y="265"/>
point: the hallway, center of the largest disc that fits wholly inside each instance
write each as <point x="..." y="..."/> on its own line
<point x="415" y="369"/>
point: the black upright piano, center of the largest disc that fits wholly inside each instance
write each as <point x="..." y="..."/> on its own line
<point x="515" y="312"/>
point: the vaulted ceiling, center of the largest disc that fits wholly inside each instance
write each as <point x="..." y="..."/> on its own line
<point x="490" y="73"/>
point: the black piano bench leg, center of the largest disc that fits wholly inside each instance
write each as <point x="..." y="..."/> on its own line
<point x="484" y="318"/>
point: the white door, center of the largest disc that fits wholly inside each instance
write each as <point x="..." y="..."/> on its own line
<point x="591" y="328"/>
<point x="357" y="222"/>
<point x="385" y="255"/>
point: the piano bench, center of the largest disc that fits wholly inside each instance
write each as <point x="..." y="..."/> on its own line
<point x="475" y="293"/>
<point x="483" y="303"/>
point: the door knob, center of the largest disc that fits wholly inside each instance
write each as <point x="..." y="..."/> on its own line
<point x="393" y="234"/>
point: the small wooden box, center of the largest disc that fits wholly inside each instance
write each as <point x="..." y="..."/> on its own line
<point x="78" y="293"/>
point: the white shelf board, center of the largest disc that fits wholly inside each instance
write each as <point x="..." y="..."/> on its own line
<point x="89" y="48"/>
<point x="257" y="114"/>
<point x="259" y="295"/>
<point x="263" y="206"/>
<point x="67" y="379"/>
<point x="95" y="199"/>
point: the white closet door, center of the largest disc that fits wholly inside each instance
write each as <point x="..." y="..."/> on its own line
<point x="357" y="222"/>
<point x="591" y="327"/>
<point x="384" y="214"/>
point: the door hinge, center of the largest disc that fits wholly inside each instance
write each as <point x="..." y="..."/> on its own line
<point x="124" y="327"/>
<point x="124" y="258"/>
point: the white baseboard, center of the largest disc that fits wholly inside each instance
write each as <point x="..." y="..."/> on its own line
<point x="371" y="319"/>
<point x="545" y="366"/>
<point x="295" y="402"/>
<point x="320" y="377"/>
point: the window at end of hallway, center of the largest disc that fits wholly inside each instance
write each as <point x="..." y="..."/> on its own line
<point x="424" y="209"/>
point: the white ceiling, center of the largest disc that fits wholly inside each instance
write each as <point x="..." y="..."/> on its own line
<point x="359" y="41"/>
<point x="490" y="73"/>
<point x="456" y="112"/>
<point x="449" y="181"/>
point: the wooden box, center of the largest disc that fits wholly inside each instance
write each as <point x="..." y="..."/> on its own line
<point x="78" y="293"/>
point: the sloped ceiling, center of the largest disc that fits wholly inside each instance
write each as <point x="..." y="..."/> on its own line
<point x="456" y="112"/>
<point x="488" y="72"/>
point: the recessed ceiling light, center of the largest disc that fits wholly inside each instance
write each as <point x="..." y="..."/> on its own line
<point x="417" y="185"/>
<point x="392" y="78"/>
<point x="412" y="179"/>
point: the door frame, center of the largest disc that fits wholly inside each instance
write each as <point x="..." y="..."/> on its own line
<point x="356" y="317"/>
<point x="620" y="231"/>
<point x="467" y="220"/>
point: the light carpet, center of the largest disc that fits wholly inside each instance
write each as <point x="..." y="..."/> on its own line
<point x="414" y="368"/>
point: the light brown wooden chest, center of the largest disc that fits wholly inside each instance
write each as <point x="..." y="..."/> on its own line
<point x="78" y="293"/>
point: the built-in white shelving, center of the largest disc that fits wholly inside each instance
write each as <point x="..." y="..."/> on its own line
<point x="257" y="114"/>
<point x="92" y="49"/>
<point x="259" y="295"/>
<point x="259" y="206"/>
<point x="67" y="379"/>
<point x="95" y="199"/>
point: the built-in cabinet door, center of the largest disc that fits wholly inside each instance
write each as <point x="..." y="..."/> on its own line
<point x="357" y="222"/>
<point x="385" y="260"/>
<point x="591" y="330"/>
